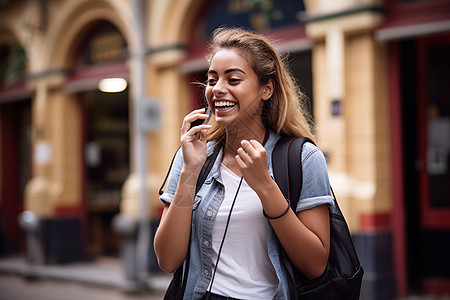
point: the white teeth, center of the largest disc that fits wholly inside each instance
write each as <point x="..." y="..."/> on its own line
<point x="224" y="104"/>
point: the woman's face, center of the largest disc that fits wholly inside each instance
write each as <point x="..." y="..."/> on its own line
<point x="233" y="90"/>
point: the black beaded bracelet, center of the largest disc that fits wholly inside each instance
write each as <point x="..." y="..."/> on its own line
<point x="285" y="212"/>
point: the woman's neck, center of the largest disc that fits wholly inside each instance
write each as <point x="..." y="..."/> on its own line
<point x="235" y="135"/>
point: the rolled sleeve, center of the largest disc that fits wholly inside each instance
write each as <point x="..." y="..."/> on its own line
<point x="316" y="184"/>
<point x="174" y="176"/>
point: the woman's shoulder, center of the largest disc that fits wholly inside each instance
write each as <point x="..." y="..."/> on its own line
<point x="309" y="148"/>
<point x="312" y="153"/>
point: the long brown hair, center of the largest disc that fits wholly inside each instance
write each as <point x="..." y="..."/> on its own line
<point x="285" y="112"/>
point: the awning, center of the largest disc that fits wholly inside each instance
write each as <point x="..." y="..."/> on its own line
<point x="397" y="32"/>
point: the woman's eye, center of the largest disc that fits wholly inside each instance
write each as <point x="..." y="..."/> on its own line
<point x="211" y="81"/>
<point x="234" y="80"/>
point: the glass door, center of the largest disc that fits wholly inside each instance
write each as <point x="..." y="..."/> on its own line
<point x="106" y="152"/>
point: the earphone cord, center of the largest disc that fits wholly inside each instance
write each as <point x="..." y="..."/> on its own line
<point x="223" y="238"/>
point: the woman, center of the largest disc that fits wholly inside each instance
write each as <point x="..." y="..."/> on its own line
<point x="254" y="100"/>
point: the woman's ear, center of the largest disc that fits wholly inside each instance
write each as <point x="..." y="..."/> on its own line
<point x="268" y="90"/>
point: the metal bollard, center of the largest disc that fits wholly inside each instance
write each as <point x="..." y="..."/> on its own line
<point x="30" y="224"/>
<point x="126" y="227"/>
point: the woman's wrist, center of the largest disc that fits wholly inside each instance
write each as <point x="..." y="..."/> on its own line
<point x="272" y="199"/>
<point x="190" y="171"/>
<point x="266" y="188"/>
<point x="185" y="193"/>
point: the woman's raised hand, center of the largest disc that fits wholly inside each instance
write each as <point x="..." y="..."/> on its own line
<point x="252" y="160"/>
<point x="194" y="148"/>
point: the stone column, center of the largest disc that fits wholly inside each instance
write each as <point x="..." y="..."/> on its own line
<point x="351" y="103"/>
<point x="54" y="193"/>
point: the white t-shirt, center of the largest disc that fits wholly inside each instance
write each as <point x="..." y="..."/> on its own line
<point x="244" y="270"/>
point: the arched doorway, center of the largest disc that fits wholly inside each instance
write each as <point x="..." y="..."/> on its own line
<point x="105" y="132"/>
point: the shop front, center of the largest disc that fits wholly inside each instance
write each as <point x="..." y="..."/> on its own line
<point x="419" y="43"/>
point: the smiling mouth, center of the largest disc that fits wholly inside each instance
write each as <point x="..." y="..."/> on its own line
<point x="222" y="105"/>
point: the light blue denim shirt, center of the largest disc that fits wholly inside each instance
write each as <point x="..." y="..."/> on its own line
<point x="315" y="191"/>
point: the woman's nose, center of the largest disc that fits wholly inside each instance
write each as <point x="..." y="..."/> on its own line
<point x="219" y="88"/>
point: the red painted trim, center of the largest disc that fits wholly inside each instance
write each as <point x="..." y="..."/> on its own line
<point x="375" y="221"/>
<point x="99" y="71"/>
<point x="435" y="219"/>
<point x="91" y="75"/>
<point x="398" y="217"/>
<point x="68" y="211"/>
<point x="436" y="286"/>
<point x="289" y="33"/>
<point x="17" y="91"/>
<point x="404" y="13"/>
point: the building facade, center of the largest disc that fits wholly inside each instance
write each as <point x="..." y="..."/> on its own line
<point x="375" y="72"/>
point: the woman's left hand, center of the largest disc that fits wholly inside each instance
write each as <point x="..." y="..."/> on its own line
<point x="252" y="160"/>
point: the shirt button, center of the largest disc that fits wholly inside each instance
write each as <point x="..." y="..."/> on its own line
<point x="206" y="243"/>
<point x="209" y="213"/>
<point x="206" y="272"/>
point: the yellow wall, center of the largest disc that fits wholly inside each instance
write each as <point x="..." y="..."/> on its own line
<point x="349" y="66"/>
<point x="368" y="123"/>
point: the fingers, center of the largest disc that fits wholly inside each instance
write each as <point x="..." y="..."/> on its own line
<point x="191" y="134"/>
<point x="203" y="129"/>
<point x="257" y="145"/>
<point x="198" y="114"/>
<point x="249" y="152"/>
<point x="190" y="129"/>
<point x="242" y="158"/>
<point x="253" y="147"/>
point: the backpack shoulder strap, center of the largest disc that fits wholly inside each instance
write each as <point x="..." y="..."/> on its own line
<point x="161" y="189"/>
<point x="287" y="167"/>
<point x="288" y="173"/>
<point x="207" y="166"/>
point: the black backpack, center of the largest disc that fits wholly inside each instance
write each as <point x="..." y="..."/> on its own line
<point x="343" y="275"/>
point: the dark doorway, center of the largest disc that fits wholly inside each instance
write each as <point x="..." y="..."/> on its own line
<point x="425" y="69"/>
<point x="15" y="127"/>
<point x="106" y="153"/>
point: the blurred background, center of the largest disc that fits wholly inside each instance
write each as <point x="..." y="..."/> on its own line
<point x="92" y="94"/>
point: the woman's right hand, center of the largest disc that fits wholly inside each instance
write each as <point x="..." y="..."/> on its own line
<point x="194" y="149"/>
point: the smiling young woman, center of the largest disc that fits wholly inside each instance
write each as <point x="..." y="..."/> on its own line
<point x="234" y="93"/>
<point x="234" y="247"/>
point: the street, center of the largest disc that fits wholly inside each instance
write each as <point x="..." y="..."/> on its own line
<point x="13" y="287"/>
